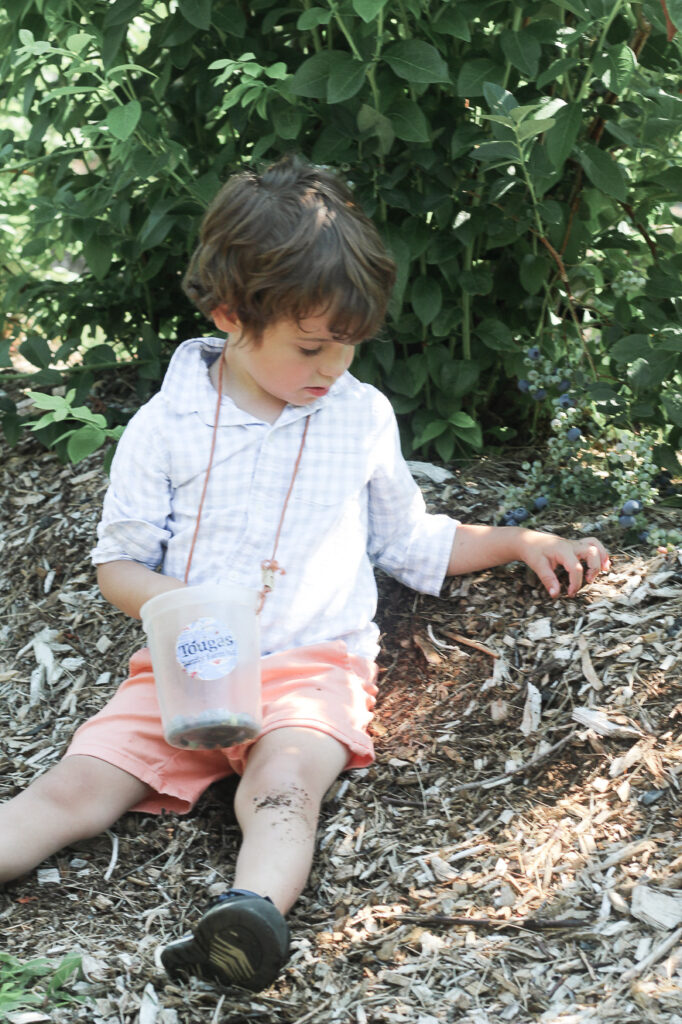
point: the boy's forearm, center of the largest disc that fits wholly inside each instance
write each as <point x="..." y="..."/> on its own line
<point x="477" y="546"/>
<point x="481" y="547"/>
<point x="127" y="584"/>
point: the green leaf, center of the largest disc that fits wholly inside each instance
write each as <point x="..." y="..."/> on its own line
<point x="672" y="405"/>
<point x="287" y="121"/>
<point x="427" y="299"/>
<point x="371" y="122"/>
<point x="445" y="445"/>
<point x="533" y="272"/>
<point x="346" y="77"/>
<point x="556" y="71"/>
<point x="451" y="21"/>
<point x="311" y="77"/>
<point x="312" y="18"/>
<point x="5" y="353"/>
<point x="496" y="335"/>
<point x="663" y="286"/>
<point x="504" y="152"/>
<point x="604" y="172"/>
<point x="529" y="129"/>
<point x="433" y="429"/>
<point x="197" y="12"/>
<point x="78" y="41"/>
<point x="669" y="340"/>
<point x="477" y="282"/>
<point x="671" y="179"/>
<point x="632" y="347"/>
<point x="474" y="74"/>
<point x="522" y="50"/>
<point x="409" y="122"/>
<point x="368" y="9"/>
<point x="84" y="442"/>
<point x="278" y="72"/>
<point x="416" y="61"/>
<point x="121" y="12"/>
<point x="122" y="121"/>
<point x="11" y="427"/>
<point x="500" y="100"/>
<point x="408" y="376"/>
<point x="37" y="351"/>
<point x="462" y="419"/>
<point x="98" y="252"/>
<point x="471" y="433"/>
<point x="98" y="355"/>
<point x="618" y="67"/>
<point x="674" y="8"/>
<point x="561" y="138"/>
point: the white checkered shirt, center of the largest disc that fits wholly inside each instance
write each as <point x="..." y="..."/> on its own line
<point x="354" y="503"/>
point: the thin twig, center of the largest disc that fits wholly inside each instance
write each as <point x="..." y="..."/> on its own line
<point x="114" y="855"/>
<point x="528" y="923"/>
<point x="484" y="783"/>
<point x="460" y="640"/>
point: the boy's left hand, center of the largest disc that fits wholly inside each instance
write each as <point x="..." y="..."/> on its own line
<point x="544" y="552"/>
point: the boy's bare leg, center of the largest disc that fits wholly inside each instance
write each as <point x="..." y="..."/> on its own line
<point x="277" y="806"/>
<point x="78" y="798"/>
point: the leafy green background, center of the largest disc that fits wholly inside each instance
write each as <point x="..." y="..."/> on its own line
<point x="519" y="159"/>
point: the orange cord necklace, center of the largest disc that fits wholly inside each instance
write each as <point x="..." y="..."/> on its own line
<point x="269" y="566"/>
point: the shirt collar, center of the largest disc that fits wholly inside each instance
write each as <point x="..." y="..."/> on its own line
<point x="187" y="387"/>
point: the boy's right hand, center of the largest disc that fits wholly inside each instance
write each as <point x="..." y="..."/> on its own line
<point x="583" y="559"/>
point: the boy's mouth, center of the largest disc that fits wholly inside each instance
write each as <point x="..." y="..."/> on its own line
<point x="318" y="392"/>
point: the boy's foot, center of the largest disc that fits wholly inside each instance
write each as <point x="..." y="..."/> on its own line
<point x="241" y="940"/>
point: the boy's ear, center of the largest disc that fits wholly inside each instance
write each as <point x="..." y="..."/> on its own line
<point x="225" y="320"/>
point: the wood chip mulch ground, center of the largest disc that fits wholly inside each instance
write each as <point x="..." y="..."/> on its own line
<point x="513" y="855"/>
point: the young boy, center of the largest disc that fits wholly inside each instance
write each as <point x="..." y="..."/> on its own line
<point x="308" y="485"/>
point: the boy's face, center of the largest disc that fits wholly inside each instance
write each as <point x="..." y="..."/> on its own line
<point x="294" y="364"/>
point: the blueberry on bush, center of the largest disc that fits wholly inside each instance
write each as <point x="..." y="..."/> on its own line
<point x="630" y="508"/>
<point x="563" y="385"/>
<point x="538" y="395"/>
<point x="566" y="402"/>
<point x="533" y="353"/>
<point x="520" y="514"/>
<point x="523" y="385"/>
<point x="540" y="503"/>
<point x="573" y="434"/>
<point x="626" y="520"/>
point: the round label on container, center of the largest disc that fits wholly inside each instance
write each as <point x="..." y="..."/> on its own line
<point x="206" y="649"/>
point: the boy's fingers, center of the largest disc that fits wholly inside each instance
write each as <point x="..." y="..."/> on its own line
<point x="590" y="552"/>
<point x="574" y="568"/>
<point x="596" y="557"/>
<point x="546" y="575"/>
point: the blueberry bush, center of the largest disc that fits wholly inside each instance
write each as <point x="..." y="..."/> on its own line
<point x="521" y="159"/>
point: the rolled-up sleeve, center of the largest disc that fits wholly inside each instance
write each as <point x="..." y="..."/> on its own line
<point x="137" y="505"/>
<point x="405" y="540"/>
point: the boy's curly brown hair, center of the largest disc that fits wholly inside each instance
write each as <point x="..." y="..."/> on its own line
<point x="287" y="244"/>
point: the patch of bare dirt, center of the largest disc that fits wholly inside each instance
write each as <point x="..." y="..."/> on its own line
<point x="513" y="854"/>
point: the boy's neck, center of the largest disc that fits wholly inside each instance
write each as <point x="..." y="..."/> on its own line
<point x="264" y="407"/>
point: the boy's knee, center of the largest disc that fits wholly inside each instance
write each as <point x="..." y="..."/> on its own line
<point x="276" y="779"/>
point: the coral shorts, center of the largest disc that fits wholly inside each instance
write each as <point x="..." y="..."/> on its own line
<point x="320" y="687"/>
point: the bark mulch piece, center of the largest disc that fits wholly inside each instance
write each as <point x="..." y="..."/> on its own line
<point x="512" y="855"/>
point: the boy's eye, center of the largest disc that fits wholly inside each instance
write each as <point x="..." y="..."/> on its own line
<point x="309" y="351"/>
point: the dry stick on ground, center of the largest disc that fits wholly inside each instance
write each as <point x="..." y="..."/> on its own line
<point x="527" y="924"/>
<point x="460" y="640"/>
<point x="496" y="780"/>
